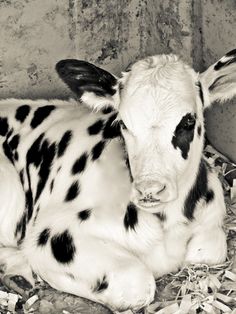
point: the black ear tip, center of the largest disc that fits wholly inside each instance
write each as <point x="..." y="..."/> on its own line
<point x="231" y="53"/>
<point x="71" y="66"/>
<point x="60" y="66"/>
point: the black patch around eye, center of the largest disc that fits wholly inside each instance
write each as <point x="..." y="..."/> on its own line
<point x="111" y="128"/>
<point x="72" y="192"/>
<point x="40" y="115"/>
<point x="101" y="285"/>
<point x="107" y="110"/>
<point x="198" y="191"/>
<point x="95" y="128"/>
<point x="22" y="113"/>
<point x="80" y="164"/>
<point x="184" y="134"/>
<point x="63" y="248"/>
<point x="131" y="217"/>
<point x="64" y="143"/>
<point x="84" y="214"/>
<point x="3" y="126"/>
<point x="43" y="237"/>
<point x="97" y="150"/>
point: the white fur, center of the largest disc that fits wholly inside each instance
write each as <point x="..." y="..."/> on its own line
<point x="157" y="93"/>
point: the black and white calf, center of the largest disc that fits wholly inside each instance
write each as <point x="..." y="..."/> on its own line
<point x="100" y="202"/>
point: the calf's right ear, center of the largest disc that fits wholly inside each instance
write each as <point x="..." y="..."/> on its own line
<point x="94" y="86"/>
<point x="219" y="80"/>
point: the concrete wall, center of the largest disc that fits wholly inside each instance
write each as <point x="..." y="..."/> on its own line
<point x="35" y="34"/>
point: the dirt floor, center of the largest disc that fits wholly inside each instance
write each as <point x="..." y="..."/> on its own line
<point x="195" y="289"/>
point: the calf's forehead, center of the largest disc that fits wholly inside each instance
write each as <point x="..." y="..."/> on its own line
<point x="153" y="91"/>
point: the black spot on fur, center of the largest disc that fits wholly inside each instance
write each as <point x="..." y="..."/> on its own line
<point x="107" y="110"/>
<point x="80" y="164"/>
<point x="14" y="142"/>
<point x="101" y="285"/>
<point x="198" y="191"/>
<point x="111" y="128"/>
<point x="34" y="153"/>
<point x="64" y="142"/>
<point x="84" y="214"/>
<point x="131" y="217"/>
<point x="21" y="174"/>
<point x="40" y="154"/>
<point x="22" y="112"/>
<point x="161" y="216"/>
<point x="36" y="214"/>
<point x="16" y="156"/>
<point x="33" y="157"/>
<point x="209" y="196"/>
<point x="98" y="149"/>
<point x="21" y="228"/>
<point x="199" y="130"/>
<point x="51" y="185"/>
<point x="184" y="133"/>
<point x="7" y="151"/>
<point x="43" y="237"/>
<point x="47" y="152"/>
<point x="40" y="115"/>
<point x="29" y="204"/>
<point x="95" y="128"/>
<point x="63" y="248"/>
<point x="73" y="192"/>
<point x="3" y="126"/>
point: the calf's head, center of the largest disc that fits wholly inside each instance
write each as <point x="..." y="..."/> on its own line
<point x="160" y="103"/>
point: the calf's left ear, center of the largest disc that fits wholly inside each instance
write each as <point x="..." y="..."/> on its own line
<point x="93" y="85"/>
<point x="219" y="80"/>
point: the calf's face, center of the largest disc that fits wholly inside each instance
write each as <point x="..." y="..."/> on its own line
<point x="160" y="103"/>
<point x="161" y="116"/>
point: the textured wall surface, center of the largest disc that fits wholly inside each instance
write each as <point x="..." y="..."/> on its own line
<point x="219" y="37"/>
<point x="35" y="34"/>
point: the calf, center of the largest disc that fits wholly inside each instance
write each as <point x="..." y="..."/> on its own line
<point x="100" y="202"/>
